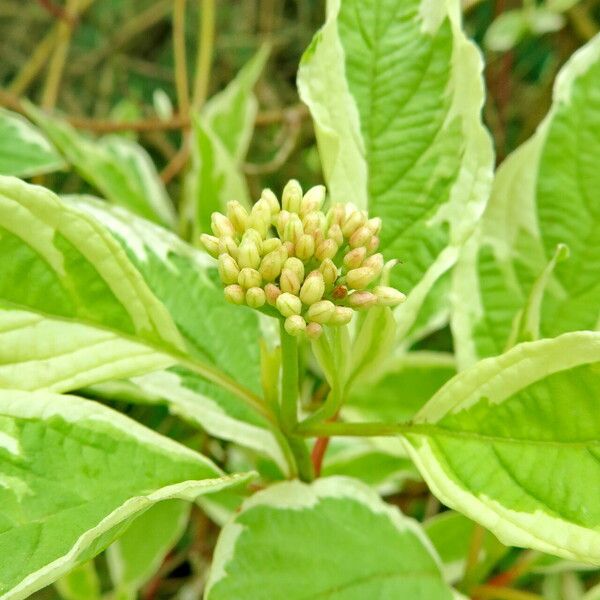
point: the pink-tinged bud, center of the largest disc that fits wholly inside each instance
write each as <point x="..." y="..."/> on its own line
<point x="252" y="235"/>
<point x="248" y="255"/>
<point x="388" y="296"/>
<point x="282" y="220"/>
<point x="313" y="288"/>
<point x="288" y="304"/>
<point x="270" y="245"/>
<point x="354" y="258"/>
<point x="360" y="278"/>
<point x="289" y="248"/>
<point x="335" y="233"/>
<point x="289" y="282"/>
<point x="296" y="265"/>
<point x="293" y="229"/>
<point x="270" y="266"/>
<point x="362" y="300"/>
<point x="234" y="294"/>
<point x="227" y="245"/>
<point x="295" y="325"/>
<point x="372" y="245"/>
<point x="238" y="216"/>
<point x="228" y="269"/>
<point x="329" y="271"/>
<point x="341" y="316"/>
<point x="249" y="278"/>
<point x="321" y="312"/>
<point x="354" y="220"/>
<point x="314" y="222"/>
<point x="374" y="225"/>
<point x="255" y="297"/>
<point x="221" y="225"/>
<point x="314" y="331"/>
<point x="272" y="292"/>
<point x="305" y="247"/>
<point x="292" y="196"/>
<point x="312" y="200"/>
<point x="271" y="200"/>
<point x="336" y="214"/>
<point x="360" y="237"/>
<point x="211" y="244"/>
<point x="326" y="249"/>
<point x="339" y="292"/>
<point x="375" y="263"/>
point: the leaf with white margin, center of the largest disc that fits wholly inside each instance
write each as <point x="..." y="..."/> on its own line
<point x="395" y="91"/>
<point x="73" y="475"/>
<point x="544" y="195"/>
<point x="514" y="444"/>
<point x="138" y="554"/>
<point x="287" y="539"/>
<point x="118" y="167"/>
<point x="24" y="151"/>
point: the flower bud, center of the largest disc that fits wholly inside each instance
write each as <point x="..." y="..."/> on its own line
<point x="228" y="269"/>
<point x="360" y="237"/>
<point x="313" y="288"/>
<point x="374" y="225"/>
<point x="227" y="245"/>
<point x="282" y="219"/>
<point x="305" y="246"/>
<point x="354" y="258"/>
<point x="289" y="248"/>
<point x="326" y="249"/>
<point x="312" y="200"/>
<point x="248" y="255"/>
<point x="272" y="292"/>
<point x="234" y="294"/>
<point x="321" y="312"/>
<point x="362" y="300"/>
<point x="271" y="200"/>
<point x="354" y="220"/>
<point x="329" y="271"/>
<point x="388" y="296"/>
<point x="314" y="331"/>
<point x="360" y="278"/>
<point x="314" y="222"/>
<point x="335" y="233"/>
<point x="289" y="282"/>
<point x="341" y="316"/>
<point x="252" y="235"/>
<point x="255" y="297"/>
<point x="270" y="245"/>
<point x="291" y="196"/>
<point x="288" y="304"/>
<point x="375" y="263"/>
<point x="372" y="245"/>
<point x="211" y="244"/>
<point x="261" y="222"/>
<point x="339" y="292"/>
<point x="221" y="225"/>
<point x="270" y="266"/>
<point x="293" y="229"/>
<point x="238" y="216"/>
<point x="296" y="265"/>
<point x="336" y="214"/>
<point x="249" y="278"/>
<point x="295" y="325"/>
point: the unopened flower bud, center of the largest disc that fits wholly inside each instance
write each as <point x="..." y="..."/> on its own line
<point x="238" y="216"/>
<point x="313" y="288"/>
<point x="288" y="304"/>
<point x="211" y="244"/>
<point x="271" y="200"/>
<point x="255" y="297"/>
<point x="314" y="222"/>
<point x="248" y="255"/>
<point x="221" y="225"/>
<point x="336" y="214"/>
<point x="295" y="325"/>
<point x="252" y="235"/>
<point x="329" y="271"/>
<point x="289" y="282"/>
<point x="228" y="269"/>
<point x="374" y="225"/>
<point x="272" y="292"/>
<point x="270" y="245"/>
<point x="314" y="331"/>
<point x="339" y="292"/>
<point x="270" y="266"/>
<point x="388" y="296"/>
<point x="312" y="200"/>
<point x="360" y="278"/>
<point x="341" y="316"/>
<point x="291" y="196"/>
<point x="261" y="223"/>
<point x="375" y="263"/>
<point x="360" y="237"/>
<point x="293" y="229"/>
<point x="372" y="245"/>
<point x="335" y="233"/>
<point x="362" y="300"/>
<point x="354" y="258"/>
<point x="249" y="278"/>
<point x="289" y="248"/>
<point x="321" y="312"/>
<point x="305" y="246"/>
<point x="354" y="220"/>
<point x="227" y="245"/>
<point x="296" y="265"/>
<point x="282" y="219"/>
<point x="234" y="294"/>
<point x="326" y="249"/>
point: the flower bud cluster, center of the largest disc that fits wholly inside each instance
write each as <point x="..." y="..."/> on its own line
<point x="314" y="267"/>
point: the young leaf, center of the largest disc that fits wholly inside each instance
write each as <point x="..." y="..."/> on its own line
<point x="395" y="91"/>
<point x="73" y="475"/>
<point x="514" y="444"/>
<point x="543" y="197"/>
<point x="24" y="151"/>
<point x="281" y="542"/>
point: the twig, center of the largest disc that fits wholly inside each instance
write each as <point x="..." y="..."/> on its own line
<point x="58" y="11"/>
<point x="204" y="56"/>
<point x="517" y="570"/>
<point x="181" y="78"/>
<point x="490" y="592"/>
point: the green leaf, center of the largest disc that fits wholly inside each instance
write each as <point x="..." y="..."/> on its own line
<point x="118" y="167"/>
<point x="24" y="151"/>
<point x="507" y="30"/>
<point x="73" y="475"/>
<point x="277" y="545"/>
<point x="514" y="444"/>
<point x="543" y="197"/>
<point x="138" y="554"/>
<point x="81" y="583"/>
<point x="395" y="90"/>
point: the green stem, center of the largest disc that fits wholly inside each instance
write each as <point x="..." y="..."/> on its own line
<point x="289" y="380"/>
